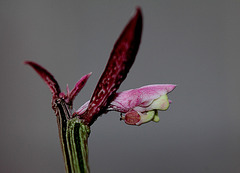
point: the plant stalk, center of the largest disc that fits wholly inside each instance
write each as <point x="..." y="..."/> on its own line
<point x="73" y="135"/>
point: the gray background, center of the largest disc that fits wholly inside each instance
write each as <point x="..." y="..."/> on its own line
<point x="194" y="44"/>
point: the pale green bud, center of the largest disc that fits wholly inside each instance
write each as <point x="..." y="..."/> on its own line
<point x="162" y="103"/>
<point x="146" y="117"/>
<point x="156" y="117"/>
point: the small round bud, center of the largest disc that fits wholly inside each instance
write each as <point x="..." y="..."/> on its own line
<point x="132" y="117"/>
<point x="156" y="118"/>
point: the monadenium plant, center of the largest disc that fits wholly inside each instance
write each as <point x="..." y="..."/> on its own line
<point x="137" y="106"/>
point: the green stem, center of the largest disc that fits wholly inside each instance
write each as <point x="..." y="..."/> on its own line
<point x="73" y="136"/>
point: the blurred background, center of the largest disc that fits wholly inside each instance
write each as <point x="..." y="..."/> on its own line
<point x="194" y="44"/>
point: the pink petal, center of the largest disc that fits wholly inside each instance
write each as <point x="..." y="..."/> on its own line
<point x="83" y="108"/>
<point x="140" y="97"/>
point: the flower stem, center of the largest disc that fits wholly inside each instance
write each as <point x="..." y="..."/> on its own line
<point x="73" y="136"/>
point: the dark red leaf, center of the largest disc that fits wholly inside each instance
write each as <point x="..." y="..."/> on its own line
<point x="119" y="64"/>
<point x="46" y="76"/>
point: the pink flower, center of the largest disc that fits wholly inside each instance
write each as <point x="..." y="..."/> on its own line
<point x="139" y="105"/>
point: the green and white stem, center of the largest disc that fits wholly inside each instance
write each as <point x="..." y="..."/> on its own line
<point x="73" y="135"/>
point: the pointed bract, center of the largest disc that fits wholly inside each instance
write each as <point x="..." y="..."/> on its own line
<point x="47" y="77"/>
<point x="119" y="63"/>
<point x="78" y="87"/>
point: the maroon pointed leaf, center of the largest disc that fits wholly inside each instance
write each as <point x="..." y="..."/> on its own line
<point x="78" y="87"/>
<point x="47" y="77"/>
<point x="119" y="64"/>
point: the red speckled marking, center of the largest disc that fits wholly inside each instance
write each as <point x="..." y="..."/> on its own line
<point x="119" y="64"/>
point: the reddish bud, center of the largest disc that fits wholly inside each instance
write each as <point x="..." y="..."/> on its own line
<point x="131" y="118"/>
<point x="78" y="87"/>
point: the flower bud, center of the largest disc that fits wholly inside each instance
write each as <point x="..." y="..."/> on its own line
<point x="161" y="103"/>
<point x="137" y="118"/>
<point x="131" y="118"/>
